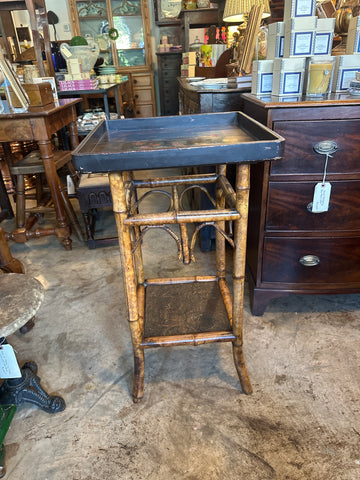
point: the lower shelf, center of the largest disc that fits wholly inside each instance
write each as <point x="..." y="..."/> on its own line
<point x="185" y="313"/>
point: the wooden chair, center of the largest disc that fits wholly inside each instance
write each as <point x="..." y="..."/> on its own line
<point x="32" y="164"/>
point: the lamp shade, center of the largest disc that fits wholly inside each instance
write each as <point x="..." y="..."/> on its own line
<point x="235" y="10"/>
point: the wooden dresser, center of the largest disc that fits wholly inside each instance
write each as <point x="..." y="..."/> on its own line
<point x="207" y="100"/>
<point x="290" y="249"/>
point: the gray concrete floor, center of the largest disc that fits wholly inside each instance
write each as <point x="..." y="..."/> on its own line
<point x="303" y="357"/>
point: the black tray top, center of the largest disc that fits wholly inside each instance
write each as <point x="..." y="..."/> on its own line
<point x="165" y="142"/>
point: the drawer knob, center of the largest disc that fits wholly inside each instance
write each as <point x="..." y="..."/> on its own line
<point x="326" y="147"/>
<point x="309" y="208"/>
<point x="309" y="260"/>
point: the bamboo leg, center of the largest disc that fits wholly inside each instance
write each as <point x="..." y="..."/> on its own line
<point x="240" y="231"/>
<point x="219" y="239"/>
<point x="183" y="229"/>
<point x="139" y="265"/>
<point x="128" y="271"/>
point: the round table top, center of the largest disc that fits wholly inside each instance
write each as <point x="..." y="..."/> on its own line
<point x="20" y="298"/>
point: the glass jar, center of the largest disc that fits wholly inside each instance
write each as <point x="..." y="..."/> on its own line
<point x="190" y="4"/>
<point x="203" y="3"/>
<point x="261" y="44"/>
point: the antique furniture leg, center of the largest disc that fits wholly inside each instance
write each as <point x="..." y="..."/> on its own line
<point x="240" y="229"/>
<point x="62" y="229"/>
<point x="6" y="210"/>
<point x="7" y="262"/>
<point x="120" y="211"/>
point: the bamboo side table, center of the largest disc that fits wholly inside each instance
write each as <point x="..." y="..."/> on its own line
<point x="119" y="147"/>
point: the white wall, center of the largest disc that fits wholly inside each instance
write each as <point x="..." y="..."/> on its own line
<point x="63" y="28"/>
<point x="61" y="8"/>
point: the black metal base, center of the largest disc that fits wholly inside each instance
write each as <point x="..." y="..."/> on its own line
<point x="28" y="389"/>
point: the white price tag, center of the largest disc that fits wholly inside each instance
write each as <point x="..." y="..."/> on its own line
<point x="65" y="51"/>
<point x="9" y="367"/>
<point x="70" y="185"/>
<point x="321" y="198"/>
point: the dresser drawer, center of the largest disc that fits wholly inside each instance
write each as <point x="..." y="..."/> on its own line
<point x="288" y="202"/>
<point x="143" y="96"/>
<point x="144" y="111"/>
<point x="301" y="136"/>
<point x="140" y="80"/>
<point x="339" y="260"/>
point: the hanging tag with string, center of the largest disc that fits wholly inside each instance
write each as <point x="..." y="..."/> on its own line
<point x="9" y="367"/>
<point x="322" y="191"/>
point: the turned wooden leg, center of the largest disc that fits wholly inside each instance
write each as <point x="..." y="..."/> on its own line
<point x="7" y="262"/>
<point x="129" y="276"/>
<point x="20" y="201"/>
<point x="62" y="229"/>
<point x="240" y="231"/>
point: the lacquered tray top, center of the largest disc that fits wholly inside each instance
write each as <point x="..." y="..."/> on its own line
<point x="158" y="142"/>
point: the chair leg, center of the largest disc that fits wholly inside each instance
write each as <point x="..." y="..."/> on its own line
<point x="7" y="262"/>
<point x="20" y="201"/>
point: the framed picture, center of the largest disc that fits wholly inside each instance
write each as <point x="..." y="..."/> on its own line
<point x="14" y="83"/>
<point x="167" y="11"/>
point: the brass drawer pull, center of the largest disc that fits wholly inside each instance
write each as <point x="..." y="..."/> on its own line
<point x="309" y="260"/>
<point x="326" y="147"/>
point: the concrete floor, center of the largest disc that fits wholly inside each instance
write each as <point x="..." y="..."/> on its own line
<point x="303" y="357"/>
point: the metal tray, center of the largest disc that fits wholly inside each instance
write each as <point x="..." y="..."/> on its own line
<point x="176" y="141"/>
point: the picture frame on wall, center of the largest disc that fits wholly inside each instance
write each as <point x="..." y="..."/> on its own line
<point x="167" y="11"/>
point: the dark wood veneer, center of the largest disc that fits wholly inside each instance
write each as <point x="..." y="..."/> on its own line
<point x="281" y="228"/>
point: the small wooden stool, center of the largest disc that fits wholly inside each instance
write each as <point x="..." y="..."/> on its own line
<point x="32" y="164"/>
<point x="21" y="297"/>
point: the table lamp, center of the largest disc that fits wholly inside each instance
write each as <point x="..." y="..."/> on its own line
<point x="237" y="10"/>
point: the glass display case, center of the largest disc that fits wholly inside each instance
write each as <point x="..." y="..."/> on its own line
<point x="121" y="29"/>
<point x="128" y="43"/>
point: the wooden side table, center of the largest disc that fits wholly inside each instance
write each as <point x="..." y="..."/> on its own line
<point x="118" y="90"/>
<point x="39" y="127"/>
<point x="209" y="313"/>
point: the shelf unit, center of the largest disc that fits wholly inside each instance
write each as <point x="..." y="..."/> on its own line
<point x="131" y="51"/>
<point x="38" y="22"/>
<point x="198" y="18"/>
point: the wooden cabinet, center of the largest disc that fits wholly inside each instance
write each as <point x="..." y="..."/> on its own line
<point x="168" y="70"/>
<point x="290" y="249"/>
<point x="206" y="100"/>
<point x="144" y="94"/>
<point x="130" y="52"/>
